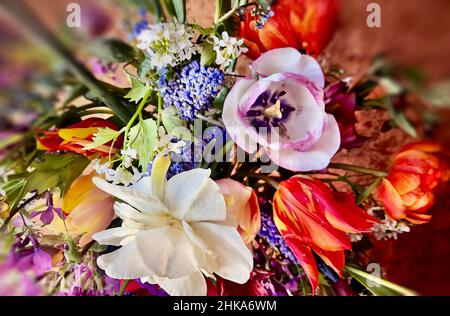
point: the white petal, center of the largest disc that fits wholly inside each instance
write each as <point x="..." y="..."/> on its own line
<point x="191" y="285"/>
<point x="234" y="259"/>
<point x="182" y="190"/>
<point x="124" y="263"/>
<point x="232" y="120"/>
<point x="128" y="213"/>
<point x="113" y="236"/>
<point x="209" y="204"/>
<point x="168" y="252"/>
<point x="145" y="203"/>
<point x="290" y="60"/>
<point x="315" y="158"/>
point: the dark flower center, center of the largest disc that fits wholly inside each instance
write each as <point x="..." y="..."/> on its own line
<point x="270" y="110"/>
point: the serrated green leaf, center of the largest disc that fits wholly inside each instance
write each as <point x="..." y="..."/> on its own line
<point x="103" y="136"/>
<point x="56" y="171"/>
<point x="208" y="55"/>
<point x="144" y="139"/>
<point x="171" y="120"/>
<point x="137" y="92"/>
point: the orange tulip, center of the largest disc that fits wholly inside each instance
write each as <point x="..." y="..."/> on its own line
<point x="408" y="191"/>
<point x="313" y="219"/>
<point x="75" y="137"/>
<point x="302" y="24"/>
<point x="242" y="207"/>
<point x="88" y="210"/>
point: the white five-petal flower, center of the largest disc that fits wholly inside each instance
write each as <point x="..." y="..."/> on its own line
<point x="173" y="232"/>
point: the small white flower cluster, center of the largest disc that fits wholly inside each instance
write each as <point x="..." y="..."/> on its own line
<point x="167" y="44"/>
<point x="121" y="175"/>
<point x="355" y="237"/>
<point x="165" y="144"/>
<point x="228" y="48"/>
<point x="389" y="228"/>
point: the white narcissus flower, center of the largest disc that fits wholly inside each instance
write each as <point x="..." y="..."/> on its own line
<point x="174" y="233"/>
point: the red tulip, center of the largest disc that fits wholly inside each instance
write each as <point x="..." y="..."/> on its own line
<point x="75" y="137"/>
<point x="253" y="287"/>
<point x="408" y="191"/>
<point x="302" y="24"/>
<point x="312" y="218"/>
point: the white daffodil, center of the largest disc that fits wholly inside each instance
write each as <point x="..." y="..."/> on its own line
<point x="174" y="233"/>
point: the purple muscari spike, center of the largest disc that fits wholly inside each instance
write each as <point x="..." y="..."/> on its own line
<point x="271" y="234"/>
<point x="192" y="90"/>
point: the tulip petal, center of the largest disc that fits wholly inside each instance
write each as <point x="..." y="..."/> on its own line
<point x="306" y="259"/>
<point x="333" y="259"/>
<point x="290" y="60"/>
<point x="392" y="200"/>
<point x="235" y="127"/>
<point x="346" y="216"/>
<point x="234" y="259"/>
<point x="317" y="157"/>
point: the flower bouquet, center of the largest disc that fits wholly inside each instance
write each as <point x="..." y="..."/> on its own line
<point x="192" y="160"/>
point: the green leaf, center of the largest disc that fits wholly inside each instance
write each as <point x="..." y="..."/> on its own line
<point x="137" y="92"/>
<point x="208" y="55"/>
<point x="103" y="136"/>
<point x="14" y="191"/>
<point x="113" y="50"/>
<point x="400" y="119"/>
<point x="376" y="285"/>
<point x="145" y="67"/>
<point x="144" y="139"/>
<point x="220" y="98"/>
<point x="180" y="10"/>
<point x="171" y="120"/>
<point x="56" y="171"/>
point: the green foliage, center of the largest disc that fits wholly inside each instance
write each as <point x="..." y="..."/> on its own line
<point x="56" y="171"/>
<point x="400" y="119"/>
<point x="113" y="50"/>
<point x="143" y="138"/>
<point x="438" y="95"/>
<point x="171" y="120"/>
<point x="208" y="55"/>
<point x="103" y="136"/>
<point x="376" y="285"/>
<point x="137" y="92"/>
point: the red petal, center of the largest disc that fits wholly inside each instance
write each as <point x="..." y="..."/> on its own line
<point x="392" y="201"/>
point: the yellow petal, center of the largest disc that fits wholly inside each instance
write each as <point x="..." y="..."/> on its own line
<point x="160" y="167"/>
<point x="81" y="133"/>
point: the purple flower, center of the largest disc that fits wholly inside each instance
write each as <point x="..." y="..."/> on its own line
<point x="48" y="215"/>
<point x="342" y="104"/>
<point x="14" y="282"/>
<point x="26" y="254"/>
<point x="192" y="90"/>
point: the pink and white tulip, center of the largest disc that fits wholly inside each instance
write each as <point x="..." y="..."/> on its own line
<point x="282" y="110"/>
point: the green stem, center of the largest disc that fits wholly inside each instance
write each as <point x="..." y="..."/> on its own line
<point x="227" y="15"/>
<point x="363" y="170"/>
<point x="136" y="114"/>
<point x="160" y="104"/>
<point x="218" y="11"/>
<point x="36" y="29"/>
<point x="123" y="287"/>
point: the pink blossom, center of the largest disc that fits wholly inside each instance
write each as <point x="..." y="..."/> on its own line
<point x="282" y="110"/>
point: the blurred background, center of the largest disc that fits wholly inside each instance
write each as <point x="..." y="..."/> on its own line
<point x="414" y="34"/>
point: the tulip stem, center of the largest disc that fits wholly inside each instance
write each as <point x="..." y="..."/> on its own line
<point x="363" y="170"/>
<point x="123" y="287"/>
